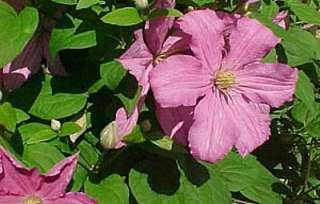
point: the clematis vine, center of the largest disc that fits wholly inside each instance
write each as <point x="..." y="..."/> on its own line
<point x="153" y="45"/>
<point x="19" y="185"/>
<point x="28" y="62"/>
<point x="226" y="81"/>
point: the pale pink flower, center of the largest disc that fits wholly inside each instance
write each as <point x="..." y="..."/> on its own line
<point x="19" y="185"/>
<point x="152" y="45"/>
<point x="231" y="88"/>
<point x="281" y="19"/>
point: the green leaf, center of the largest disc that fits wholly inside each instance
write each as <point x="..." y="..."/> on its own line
<point x="66" y="2"/>
<point x="189" y="182"/>
<point x="36" y="132"/>
<point x="300" y="46"/>
<point x="126" y="16"/>
<point x="48" y="106"/>
<point x="136" y="136"/>
<point x="313" y="128"/>
<point x="42" y="156"/>
<point x="79" y="178"/>
<point x="69" y="128"/>
<point x="164" y="12"/>
<point x="82" y="4"/>
<point x="88" y="154"/>
<point x="249" y="177"/>
<point x="304" y="12"/>
<point x="16" y="31"/>
<point x="304" y="90"/>
<point x="21" y="115"/>
<point x="112" y="74"/>
<point x="67" y="37"/>
<point x="8" y="117"/>
<point x="112" y="189"/>
<point x="130" y="103"/>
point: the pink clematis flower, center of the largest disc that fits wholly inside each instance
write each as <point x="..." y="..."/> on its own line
<point x="232" y="90"/>
<point x="152" y="46"/>
<point x="28" y="62"/>
<point x="19" y="185"/>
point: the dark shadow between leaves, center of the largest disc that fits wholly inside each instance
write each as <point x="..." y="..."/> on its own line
<point x="163" y="175"/>
<point x="195" y="172"/>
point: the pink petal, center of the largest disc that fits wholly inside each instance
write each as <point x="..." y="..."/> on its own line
<point x="165" y="4"/>
<point x="252" y="122"/>
<point x="175" y="122"/>
<point x="17" y="4"/>
<point x="137" y="57"/>
<point x="272" y="84"/>
<point x="11" y="199"/>
<point x="206" y="30"/>
<point x="15" y="178"/>
<point x="156" y="30"/>
<point x="125" y="124"/>
<point x="55" y="66"/>
<point x="213" y="132"/>
<point x="15" y="73"/>
<point x="15" y="79"/>
<point x="58" y="178"/>
<point x="178" y="42"/>
<point x="179" y="80"/>
<point x="249" y="42"/>
<point x="281" y="19"/>
<point x="72" y="198"/>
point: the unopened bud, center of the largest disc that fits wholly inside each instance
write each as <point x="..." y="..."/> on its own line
<point x="109" y="136"/>
<point x="82" y="122"/>
<point x="55" y="125"/>
<point x="1" y="95"/>
<point x="142" y="4"/>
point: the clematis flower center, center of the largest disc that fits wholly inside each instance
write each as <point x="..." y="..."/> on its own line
<point x="224" y="80"/>
<point x="158" y="58"/>
<point x="32" y="200"/>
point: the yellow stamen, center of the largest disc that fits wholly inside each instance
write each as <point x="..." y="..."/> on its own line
<point x="32" y="200"/>
<point x="159" y="58"/>
<point x="224" y="80"/>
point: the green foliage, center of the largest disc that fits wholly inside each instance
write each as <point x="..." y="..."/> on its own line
<point x="88" y="37"/>
<point x="16" y="31"/>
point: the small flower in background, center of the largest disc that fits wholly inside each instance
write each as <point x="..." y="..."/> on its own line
<point x="282" y="19"/>
<point x="26" y="186"/>
<point x="152" y="46"/>
<point x="28" y="62"/>
<point x="231" y="89"/>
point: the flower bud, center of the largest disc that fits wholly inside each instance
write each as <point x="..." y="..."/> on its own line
<point x="55" y="125"/>
<point x="142" y="4"/>
<point x="1" y="95"/>
<point x="109" y="136"/>
<point x="82" y="122"/>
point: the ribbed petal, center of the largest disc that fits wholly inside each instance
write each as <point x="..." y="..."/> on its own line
<point x="213" y="132"/>
<point x="11" y="199"/>
<point x="137" y="58"/>
<point x="206" y="30"/>
<point x="72" y="198"/>
<point x="156" y="30"/>
<point x="179" y="80"/>
<point x="249" y="42"/>
<point x="252" y="122"/>
<point x="58" y="178"/>
<point x="272" y="84"/>
<point x="15" y="178"/>
<point x="175" y="122"/>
